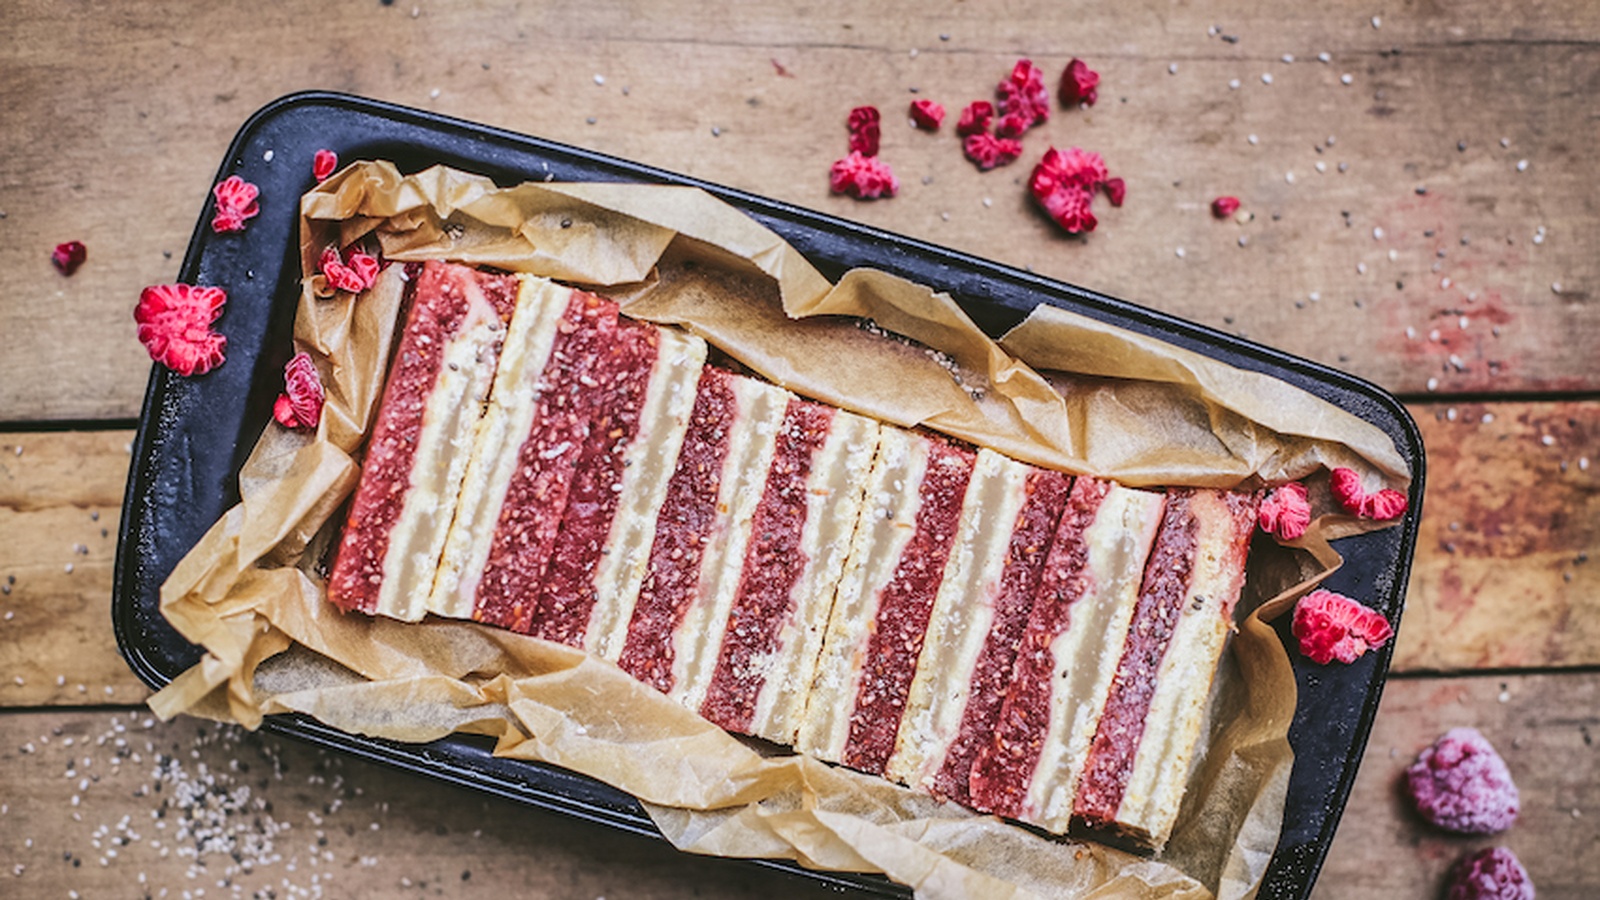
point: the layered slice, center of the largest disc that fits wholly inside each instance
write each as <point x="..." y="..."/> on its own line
<point x="526" y="455"/>
<point x="692" y="574"/>
<point x="792" y="563"/>
<point x="1008" y="518"/>
<point x="880" y="615"/>
<point x="1069" y="654"/>
<point x="421" y="441"/>
<point x="1138" y="763"/>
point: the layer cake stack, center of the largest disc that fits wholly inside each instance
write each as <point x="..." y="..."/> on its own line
<point x="1015" y="639"/>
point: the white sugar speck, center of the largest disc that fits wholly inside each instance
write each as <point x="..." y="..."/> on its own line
<point x="1178" y="253"/>
<point x="1266" y="77"/>
<point x="1346" y="78"/>
<point x="1324" y="57"/>
<point x="1522" y="165"/>
<point x="1377" y="22"/>
<point x="1172" y="68"/>
<point x="1377" y="234"/>
<point x="1320" y="166"/>
<point x="1253" y="140"/>
<point x="1287" y="57"/>
<point x="599" y="79"/>
<point x="267" y="156"/>
<point x="1433" y="384"/>
<point x="1233" y="85"/>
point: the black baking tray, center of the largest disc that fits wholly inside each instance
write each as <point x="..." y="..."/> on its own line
<point x="194" y="435"/>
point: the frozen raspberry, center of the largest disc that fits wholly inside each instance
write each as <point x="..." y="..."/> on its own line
<point x="863" y="177"/>
<point x="1286" y="513"/>
<point x="323" y="164"/>
<point x="1345" y="484"/>
<point x="300" y="404"/>
<point x="175" y="326"/>
<point x="69" y="256"/>
<point x="1064" y="184"/>
<point x="864" y="130"/>
<point x="1223" y="207"/>
<point x="927" y="114"/>
<point x="1493" y="873"/>
<point x="1024" y="93"/>
<point x="236" y="202"/>
<point x="1332" y="626"/>
<point x="357" y="276"/>
<point x="1461" y="784"/>
<point x="1079" y="84"/>
<point x="989" y="151"/>
<point x="1116" y="190"/>
<point x="975" y="118"/>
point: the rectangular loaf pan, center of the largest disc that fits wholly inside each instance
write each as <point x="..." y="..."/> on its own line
<point x="194" y="435"/>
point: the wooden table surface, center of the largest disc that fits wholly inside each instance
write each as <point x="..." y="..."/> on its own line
<point x="1425" y="216"/>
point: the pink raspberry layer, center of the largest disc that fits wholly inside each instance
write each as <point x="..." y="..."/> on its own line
<point x="1493" y="873"/>
<point x="1461" y="784"/>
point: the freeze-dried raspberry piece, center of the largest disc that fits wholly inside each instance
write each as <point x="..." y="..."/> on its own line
<point x="1116" y="190"/>
<point x="1461" y="784"/>
<point x="863" y="177"/>
<point x="975" y="118"/>
<point x="323" y="164"/>
<point x="1079" y="84"/>
<point x="69" y="256"/>
<point x="355" y="277"/>
<point x="865" y="130"/>
<point x="1064" y="184"/>
<point x="1345" y="485"/>
<point x="989" y="151"/>
<point x="1070" y="206"/>
<point x="300" y="404"/>
<point x="1024" y="93"/>
<point x="1332" y="626"/>
<point x="1223" y="207"/>
<point x="175" y="326"/>
<point x="236" y="202"/>
<point x="1493" y="873"/>
<point x="1384" y="505"/>
<point x="1012" y="125"/>
<point x="927" y="114"/>
<point x="1286" y="513"/>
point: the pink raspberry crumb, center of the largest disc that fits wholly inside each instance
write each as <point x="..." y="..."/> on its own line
<point x="1024" y="94"/>
<point x="1064" y="184"/>
<point x="865" y="130"/>
<point x="323" y="163"/>
<point x="356" y="276"/>
<point x="1012" y="125"/>
<point x="1079" y="84"/>
<point x="69" y="256"/>
<point x="927" y="114"/>
<point x="1493" y="873"/>
<point x="1286" y="513"/>
<point x="1352" y="497"/>
<point x="1461" y="784"/>
<point x="1116" y="190"/>
<point x="175" y="326"/>
<point x="975" y="118"/>
<point x="989" y="151"/>
<point x="236" y="203"/>
<point x="1332" y="626"/>
<point x="300" y="404"/>
<point x="1223" y="207"/>
<point x="863" y="177"/>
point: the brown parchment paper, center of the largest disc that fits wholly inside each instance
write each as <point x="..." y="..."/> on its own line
<point x="1060" y="391"/>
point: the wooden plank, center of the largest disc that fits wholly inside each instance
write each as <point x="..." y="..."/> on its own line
<point x="1544" y="726"/>
<point x="59" y="499"/>
<point x="1503" y="575"/>
<point x="85" y="810"/>
<point x="697" y="88"/>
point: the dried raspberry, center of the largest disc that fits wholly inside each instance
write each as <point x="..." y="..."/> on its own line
<point x="1286" y="513"/>
<point x="989" y="151"/>
<point x="175" y="326"/>
<point x="356" y="277"/>
<point x="1064" y="184"/>
<point x="1461" y="784"/>
<point x="323" y="164"/>
<point x="1223" y="207"/>
<point x="236" y="202"/>
<point x="1011" y="125"/>
<point x="1345" y="484"/>
<point x="1331" y="626"/>
<point x="863" y="177"/>
<point x="300" y="404"/>
<point x="1493" y="873"/>
<point x="864" y="130"/>
<point x="1116" y="190"/>
<point x="1024" y="93"/>
<point x="927" y="114"/>
<point x="975" y="118"/>
<point x="1079" y="84"/>
<point x="69" y="256"/>
<point x="1385" y="505"/>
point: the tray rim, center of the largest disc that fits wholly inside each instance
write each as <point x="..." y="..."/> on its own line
<point x="1164" y="326"/>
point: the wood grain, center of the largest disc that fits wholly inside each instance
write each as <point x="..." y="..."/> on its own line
<point x="359" y="830"/>
<point x="118" y="114"/>
<point x="1544" y="726"/>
